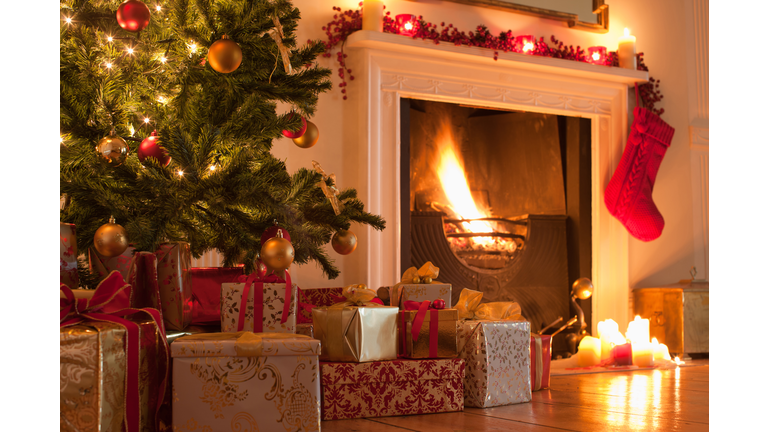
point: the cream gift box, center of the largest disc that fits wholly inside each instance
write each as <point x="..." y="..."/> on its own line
<point x="246" y="381"/>
<point x="273" y="299"/>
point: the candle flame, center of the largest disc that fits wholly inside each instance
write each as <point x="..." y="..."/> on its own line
<point x="527" y="47"/>
<point x="626" y="31"/>
<point x="596" y="56"/>
<point x="408" y="25"/>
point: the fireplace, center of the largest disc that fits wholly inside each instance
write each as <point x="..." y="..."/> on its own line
<point x="500" y="201"/>
<point x="390" y="68"/>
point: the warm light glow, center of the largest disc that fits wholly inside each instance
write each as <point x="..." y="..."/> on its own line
<point x="678" y="361"/>
<point x="213" y="168"/>
<point x="192" y="47"/>
<point x="528" y="46"/>
<point x="163" y="59"/>
<point x="626" y="32"/>
<point x="181" y="173"/>
<point x="457" y="191"/>
<point x="638" y="331"/>
<point x="61" y="140"/>
<point x="408" y="26"/>
<point x="158" y="8"/>
<point x="596" y="56"/>
<point x="68" y="20"/>
<point x="129" y="50"/>
<point x="146" y="119"/>
<point x="161" y="99"/>
<point x="660" y="351"/>
<point x="109" y="38"/>
<point x="610" y="336"/>
<point x="108" y="65"/>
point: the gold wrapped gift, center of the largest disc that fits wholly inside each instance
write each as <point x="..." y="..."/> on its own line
<point x="444" y="334"/>
<point x="419" y="285"/>
<point x="356" y="330"/>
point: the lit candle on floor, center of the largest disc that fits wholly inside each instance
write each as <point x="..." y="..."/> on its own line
<point x="642" y="354"/>
<point x="622" y="355"/>
<point x="373" y="15"/>
<point x="639" y="330"/>
<point x="660" y="351"/>
<point x="627" y="58"/>
<point x="589" y="352"/>
<point x="610" y="336"/>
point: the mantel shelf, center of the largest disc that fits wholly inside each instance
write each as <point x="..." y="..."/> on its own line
<point x="402" y="44"/>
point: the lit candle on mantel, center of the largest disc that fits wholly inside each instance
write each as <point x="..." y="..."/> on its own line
<point x="589" y="352"/>
<point x="610" y="336"/>
<point x="373" y="15"/>
<point x="627" y="58"/>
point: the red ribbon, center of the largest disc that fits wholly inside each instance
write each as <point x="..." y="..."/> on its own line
<point x="418" y="322"/>
<point x="110" y="302"/>
<point x="258" y="299"/>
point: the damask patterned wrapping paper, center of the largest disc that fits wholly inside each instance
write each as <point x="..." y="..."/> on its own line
<point x="541" y="358"/>
<point x="272" y="308"/>
<point x="246" y="382"/>
<point x="103" y="266"/>
<point x="206" y="292"/>
<point x="92" y="377"/>
<point x="316" y="297"/>
<point x="446" y="334"/>
<point x="142" y="275"/>
<point x="392" y="388"/>
<point x="173" y="263"/>
<point x="362" y="333"/>
<point x="419" y="293"/>
<point x="68" y="255"/>
<point x="497" y="354"/>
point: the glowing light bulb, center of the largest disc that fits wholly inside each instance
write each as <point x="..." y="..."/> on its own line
<point x="528" y="46"/>
<point x="163" y="59"/>
<point x="408" y="26"/>
<point x="146" y="119"/>
<point x="158" y="8"/>
<point x="61" y="140"/>
<point x="129" y="50"/>
<point x="108" y="65"/>
<point x="213" y="167"/>
<point x="68" y="20"/>
<point x="160" y="99"/>
<point x="193" y="47"/>
<point x="181" y="173"/>
<point x="596" y="56"/>
<point x="109" y="38"/>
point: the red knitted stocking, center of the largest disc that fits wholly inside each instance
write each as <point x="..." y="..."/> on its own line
<point x="628" y="195"/>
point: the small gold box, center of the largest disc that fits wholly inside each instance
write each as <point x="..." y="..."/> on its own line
<point x="678" y="314"/>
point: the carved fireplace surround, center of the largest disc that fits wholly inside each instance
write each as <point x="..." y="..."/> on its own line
<point x="388" y="67"/>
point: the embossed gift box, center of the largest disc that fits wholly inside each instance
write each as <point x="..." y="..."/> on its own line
<point x="68" y="255"/>
<point x="435" y="339"/>
<point x="246" y="381"/>
<point x="92" y="362"/>
<point x="351" y="333"/>
<point x="401" y="293"/>
<point x="497" y="354"/>
<point x="392" y="388"/>
<point x="274" y="296"/>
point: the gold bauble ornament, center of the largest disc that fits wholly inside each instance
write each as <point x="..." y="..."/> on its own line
<point x="110" y="239"/>
<point x="583" y="288"/>
<point x="309" y="138"/>
<point x="225" y="55"/>
<point x="277" y="253"/>
<point x="416" y="280"/>
<point x="112" y="149"/>
<point x="426" y="280"/>
<point x="344" y="242"/>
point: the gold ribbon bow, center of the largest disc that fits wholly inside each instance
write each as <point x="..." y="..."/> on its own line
<point x="330" y="191"/>
<point x="277" y="35"/>
<point x="427" y="274"/>
<point x="356" y="295"/>
<point x="469" y="307"/>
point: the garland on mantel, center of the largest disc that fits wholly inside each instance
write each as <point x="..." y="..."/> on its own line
<point x="348" y="22"/>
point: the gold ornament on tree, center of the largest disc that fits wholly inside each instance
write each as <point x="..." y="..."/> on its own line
<point x="277" y="253"/>
<point x="225" y="55"/>
<point x="344" y="242"/>
<point x="330" y="191"/>
<point x="310" y="137"/>
<point x="110" y="239"/>
<point x="112" y="149"/>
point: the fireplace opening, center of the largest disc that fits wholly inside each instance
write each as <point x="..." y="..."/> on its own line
<point x="500" y="201"/>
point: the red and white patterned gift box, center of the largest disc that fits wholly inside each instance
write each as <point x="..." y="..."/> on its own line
<point x="316" y="297"/>
<point x="391" y="388"/>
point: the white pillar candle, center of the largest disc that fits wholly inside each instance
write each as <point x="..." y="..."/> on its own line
<point x="610" y="336"/>
<point x="626" y="52"/>
<point x="373" y="15"/>
<point x="639" y="331"/>
<point x="589" y="351"/>
<point x="660" y="351"/>
<point x="642" y="354"/>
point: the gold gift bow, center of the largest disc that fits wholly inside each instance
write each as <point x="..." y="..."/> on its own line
<point x="247" y="344"/>
<point x="277" y="35"/>
<point x="331" y="192"/>
<point x="427" y="274"/>
<point x="536" y="385"/>
<point x="357" y="295"/>
<point x="469" y="307"/>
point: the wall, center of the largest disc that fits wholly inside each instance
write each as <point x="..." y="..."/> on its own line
<point x="661" y="31"/>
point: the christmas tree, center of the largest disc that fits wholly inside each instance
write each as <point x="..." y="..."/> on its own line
<point x="207" y="176"/>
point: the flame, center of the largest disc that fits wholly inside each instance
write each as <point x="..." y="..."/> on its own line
<point x="456" y="189"/>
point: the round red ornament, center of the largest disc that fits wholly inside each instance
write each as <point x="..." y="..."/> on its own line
<point x="438" y="304"/>
<point x="133" y="15"/>
<point x="150" y="148"/>
<point x="298" y="133"/>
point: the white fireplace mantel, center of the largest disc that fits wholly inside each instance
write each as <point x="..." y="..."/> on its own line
<point x="388" y="67"/>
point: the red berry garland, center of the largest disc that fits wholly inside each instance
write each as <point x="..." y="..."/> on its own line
<point x="348" y="22"/>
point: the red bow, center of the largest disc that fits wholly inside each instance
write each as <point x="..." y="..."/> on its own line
<point x="110" y="302"/>
<point x="418" y="321"/>
<point x="258" y="299"/>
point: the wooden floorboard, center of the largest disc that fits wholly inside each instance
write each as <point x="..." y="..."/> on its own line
<point x="663" y="400"/>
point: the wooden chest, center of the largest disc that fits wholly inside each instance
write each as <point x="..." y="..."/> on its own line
<point x="678" y="313"/>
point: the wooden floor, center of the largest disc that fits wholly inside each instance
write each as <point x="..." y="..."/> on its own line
<point x="664" y="400"/>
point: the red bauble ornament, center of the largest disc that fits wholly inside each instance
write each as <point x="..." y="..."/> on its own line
<point x="261" y="269"/>
<point x="150" y="148"/>
<point x="438" y="304"/>
<point x="133" y="15"/>
<point x="298" y="133"/>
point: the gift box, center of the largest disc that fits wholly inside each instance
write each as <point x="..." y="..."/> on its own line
<point x="68" y="255"/>
<point x="113" y="362"/>
<point x="173" y="263"/>
<point x="142" y="275"/>
<point x="315" y="297"/>
<point x="357" y="330"/>
<point x="102" y="266"/>
<point x="541" y="357"/>
<point x="246" y="381"/>
<point x="306" y="330"/>
<point x="428" y="333"/>
<point x="277" y="310"/>
<point x="391" y="388"/>
<point x="206" y="292"/>
<point x="497" y="354"/>
<point x="419" y="285"/>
